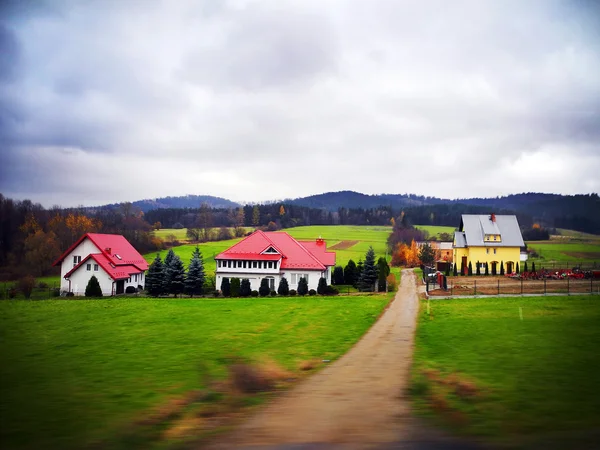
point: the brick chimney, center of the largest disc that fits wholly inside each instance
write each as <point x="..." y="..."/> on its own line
<point x="108" y="250"/>
<point x="493" y="217"/>
<point x="320" y="241"/>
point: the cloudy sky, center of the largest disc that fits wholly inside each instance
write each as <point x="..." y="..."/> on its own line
<point x="118" y="100"/>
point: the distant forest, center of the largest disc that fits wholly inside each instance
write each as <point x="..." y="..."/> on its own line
<point x="32" y="236"/>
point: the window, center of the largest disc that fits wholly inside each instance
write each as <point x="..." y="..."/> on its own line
<point x="487" y="250"/>
<point x="254" y="264"/>
<point x="95" y="267"/>
<point x="270" y="265"/>
<point x="494" y="251"/>
<point x="495" y="237"/>
<point x="135" y="277"/>
<point x="306" y="277"/>
<point x="229" y="264"/>
<point x="260" y="264"/>
<point x="88" y="267"/>
<point x="244" y="264"/>
<point x="141" y="276"/>
<point x="293" y="278"/>
<point x="76" y="260"/>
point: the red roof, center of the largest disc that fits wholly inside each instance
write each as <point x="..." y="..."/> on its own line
<point x="294" y="254"/>
<point x="117" y="256"/>
<point x="116" y="272"/>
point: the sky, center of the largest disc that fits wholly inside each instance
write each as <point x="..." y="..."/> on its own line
<point x="105" y="101"/>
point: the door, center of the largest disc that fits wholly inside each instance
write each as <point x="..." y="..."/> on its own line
<point x="271" y="283"/>
<point x="464" y="265"/>
<point x="509" y="267"/>
<point x="120" y="287"/>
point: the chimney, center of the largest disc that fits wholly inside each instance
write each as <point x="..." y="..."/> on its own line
<point x="108" y="250"/>
<point x="493" y="217"/>
<point x="320" y="241"/>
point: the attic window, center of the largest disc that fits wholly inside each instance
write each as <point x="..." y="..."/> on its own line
<point x="118" y="256"/>
<point x="270" y="250"/>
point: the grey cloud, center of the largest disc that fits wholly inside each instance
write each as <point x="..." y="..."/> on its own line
<point x="255" y="100"/>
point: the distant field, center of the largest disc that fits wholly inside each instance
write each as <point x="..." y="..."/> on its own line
<point x="181" y="234"/>
<point x="483" y="371"/>
<point x="334" y="234"/>
<point x="558" y="251"/>
<point x="74" y="371"/>
<point x="434" y="230"/>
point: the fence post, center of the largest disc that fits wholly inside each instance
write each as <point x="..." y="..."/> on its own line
<point x="591" y="284"/>
<point x="521" y="286"/>
<point x="544" y="286"/>
<point x="498" y="287"/>
<point x="475" y="288"/>
<point x="451" y="286"/>
<point x="568" y="287"/>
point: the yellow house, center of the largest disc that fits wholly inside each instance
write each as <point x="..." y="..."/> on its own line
<point x="488" y="238"/>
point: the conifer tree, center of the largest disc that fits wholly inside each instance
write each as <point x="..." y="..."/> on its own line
<point x="194" y="282"/>
<point x="487" y="268"/>
<point x="93" y="288"/>
<point x="517" y="269"/>
<point x="368" y="274"/>
<point x="478" y="270"/>
<point x="167" y="264"/>
<point x="447" y="272"/>
<point x="302" y="286"/>
<point x="338" y="275"/>
<point x="470" y="269"/>
<point x="235" y="287"/>
<point x="245" y="288"/>
<point x="322" y="286"/>
<point x="359" y="269"/>
<point x="264" y="288"/>
<point x="226" y="287"/>
<point x="455" y="270"/>
<point x="462" y="267"/>
<point x="284" y="287"/>
<point x="155" y="278"/>
<point x="533" y="266"/>
<point x="501" y="267"/>
<point x="176" y="274"/>
<point x="383" y="270"/>
<point x="350" y="273"/>
<point x="494" y="268"/>
<point x="525" y="268"/>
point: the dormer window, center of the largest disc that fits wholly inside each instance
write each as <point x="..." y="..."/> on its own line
<point x="270" y="250"/>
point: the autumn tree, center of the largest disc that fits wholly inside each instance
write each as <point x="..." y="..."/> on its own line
<point x="26" y="285"/>
<point x="255" y="216"/>
<point x="281" y="211"/>
<point x="204" y="222"/>
<point x="240" y="221"/>
<point x="41" y="249"/>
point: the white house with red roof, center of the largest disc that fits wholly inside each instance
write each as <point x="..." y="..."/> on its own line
<point x="110" y="257"/>
<point x="273" y="255"/>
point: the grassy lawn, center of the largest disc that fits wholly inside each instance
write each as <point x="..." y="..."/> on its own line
<point x="435" y="230"/>
<point x="558" y="251"/>
<point x="482" y="371"/>
<point x="74" y="371"/>
<point x="181" y="233"/>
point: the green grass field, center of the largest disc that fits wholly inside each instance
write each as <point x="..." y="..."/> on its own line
<point x="434" y="230"/>
<point x="558" y="251"/>
<point x="181" y="233"/>
<point x="483" y="371"/>
<point x="74" y="371"/>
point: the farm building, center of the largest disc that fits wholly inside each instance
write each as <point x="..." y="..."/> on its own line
<point x="488" y="238"/>
<point x="110" y="257"/>
<point x="273" y="255"/>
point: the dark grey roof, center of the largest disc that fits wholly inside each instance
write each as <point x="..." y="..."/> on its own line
<point x="476" y="226"/>
<point x="459" y="239"/>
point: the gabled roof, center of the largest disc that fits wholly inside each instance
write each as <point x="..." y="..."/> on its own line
<point x="115" y="272"/>
<point x="474" y="227"/>
<point x="294" y="254"/>
<point x="115" y="249"/>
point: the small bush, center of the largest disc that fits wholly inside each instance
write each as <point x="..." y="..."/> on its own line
<point x="273" y="294"/>
<point x="330" y="290"/>
<point x="42" y="285"/>
<point x="302" y="286"/>
<point x="70" y="294"/>
<point x="55" y="292"/>
<point x="130" y="290"/>
<point x="216" y="293"/>
<point x="312" y="292"/>
<point x="12" y="292"/>
<point x="235" y="287"/>
<point x="26" y="285"/>
<point x="264" y="289"/>
<point x="292" y="292"/>
<point x="254" y="294"/>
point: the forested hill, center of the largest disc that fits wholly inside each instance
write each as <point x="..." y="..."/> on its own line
<point x="185" y="201"/>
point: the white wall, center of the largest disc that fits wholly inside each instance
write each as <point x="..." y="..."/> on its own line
<point x="83" y="249"/>
<point x="81" y="277"/>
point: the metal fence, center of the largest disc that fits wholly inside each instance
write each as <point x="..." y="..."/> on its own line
<point x="9" y="291"/>
<point x="509" y="286"/>
<point x="551" y="265"/>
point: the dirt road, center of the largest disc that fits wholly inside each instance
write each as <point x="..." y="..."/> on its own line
<point x="357" y="402"/>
